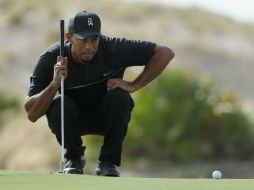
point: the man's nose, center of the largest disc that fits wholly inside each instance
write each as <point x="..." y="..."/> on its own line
<point x="87" y="45"/>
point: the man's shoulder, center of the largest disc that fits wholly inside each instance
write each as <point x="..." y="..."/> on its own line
<point x="54" y="49"/>
<point x="111" y="40"/>
<point x="106" y="40"/>
<point x="112" y="44"/>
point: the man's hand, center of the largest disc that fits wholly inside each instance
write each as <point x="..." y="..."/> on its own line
<point x="157" y="63"/>
<point x="60" y="69"/>
<point x="119" y="83"/>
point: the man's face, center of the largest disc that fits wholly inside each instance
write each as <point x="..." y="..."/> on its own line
<point x="84" y="50"/>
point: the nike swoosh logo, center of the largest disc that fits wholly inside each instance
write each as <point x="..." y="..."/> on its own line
<point x="106" y="74"/>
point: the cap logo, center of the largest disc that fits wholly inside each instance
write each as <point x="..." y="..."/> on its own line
<point x="90" y="22"/>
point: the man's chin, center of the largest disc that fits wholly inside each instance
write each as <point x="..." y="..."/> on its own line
<point x="83" y="59"/>
<point x="86" y="58"/>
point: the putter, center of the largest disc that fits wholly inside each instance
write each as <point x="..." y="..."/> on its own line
<point x="62" y="161"/>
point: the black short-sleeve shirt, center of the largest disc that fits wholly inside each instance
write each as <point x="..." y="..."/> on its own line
<point x="88" y="83"/>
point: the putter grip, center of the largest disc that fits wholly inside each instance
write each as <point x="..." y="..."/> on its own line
<point x="62" y="38"/>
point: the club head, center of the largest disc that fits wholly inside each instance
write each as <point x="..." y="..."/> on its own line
<point x="60" y="172"/>
<point x="57" y="172"/>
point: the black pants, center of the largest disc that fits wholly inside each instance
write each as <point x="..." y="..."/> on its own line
<point x="109" y="117"/>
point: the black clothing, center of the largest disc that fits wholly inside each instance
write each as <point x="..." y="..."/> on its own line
<point x="114" y="55"/>
<point x="89" y="107"/>
<point x="108" y="117"/>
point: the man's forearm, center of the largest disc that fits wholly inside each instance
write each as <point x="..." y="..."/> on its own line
<point x="158" y="62"/>
<point x="154" y="67"/>
<point x="37" y="105"/>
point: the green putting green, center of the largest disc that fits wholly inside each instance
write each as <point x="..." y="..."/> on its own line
<point x="19" y="180"/>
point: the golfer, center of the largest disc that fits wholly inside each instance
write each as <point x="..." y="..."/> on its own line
<point x="96" y="100"/>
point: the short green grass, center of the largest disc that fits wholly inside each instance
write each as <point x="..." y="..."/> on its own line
<point x="20" y="180"/>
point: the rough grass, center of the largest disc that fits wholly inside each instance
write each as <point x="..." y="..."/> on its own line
<point x="20" y="180"/>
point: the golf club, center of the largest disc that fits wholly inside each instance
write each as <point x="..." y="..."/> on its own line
<point x="62" y="161"/>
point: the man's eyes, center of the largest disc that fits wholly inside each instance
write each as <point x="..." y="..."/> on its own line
<point x="93" y="40"/>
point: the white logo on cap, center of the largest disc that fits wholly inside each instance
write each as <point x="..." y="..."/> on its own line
<point x="90" y="22"/>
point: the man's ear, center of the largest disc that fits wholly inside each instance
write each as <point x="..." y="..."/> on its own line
<point x="69" y="36"/>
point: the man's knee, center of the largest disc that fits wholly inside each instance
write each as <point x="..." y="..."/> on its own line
<point x="55" y="107"/>
<point x="120" y="99"/>
<point x="54" y="112"/>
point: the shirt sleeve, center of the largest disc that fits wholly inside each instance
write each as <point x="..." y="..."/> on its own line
<point x="129" y="52"/>
<point x="42" y="74"/>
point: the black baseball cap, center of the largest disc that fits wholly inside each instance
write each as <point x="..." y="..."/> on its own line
<point x="85" y="24"/>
